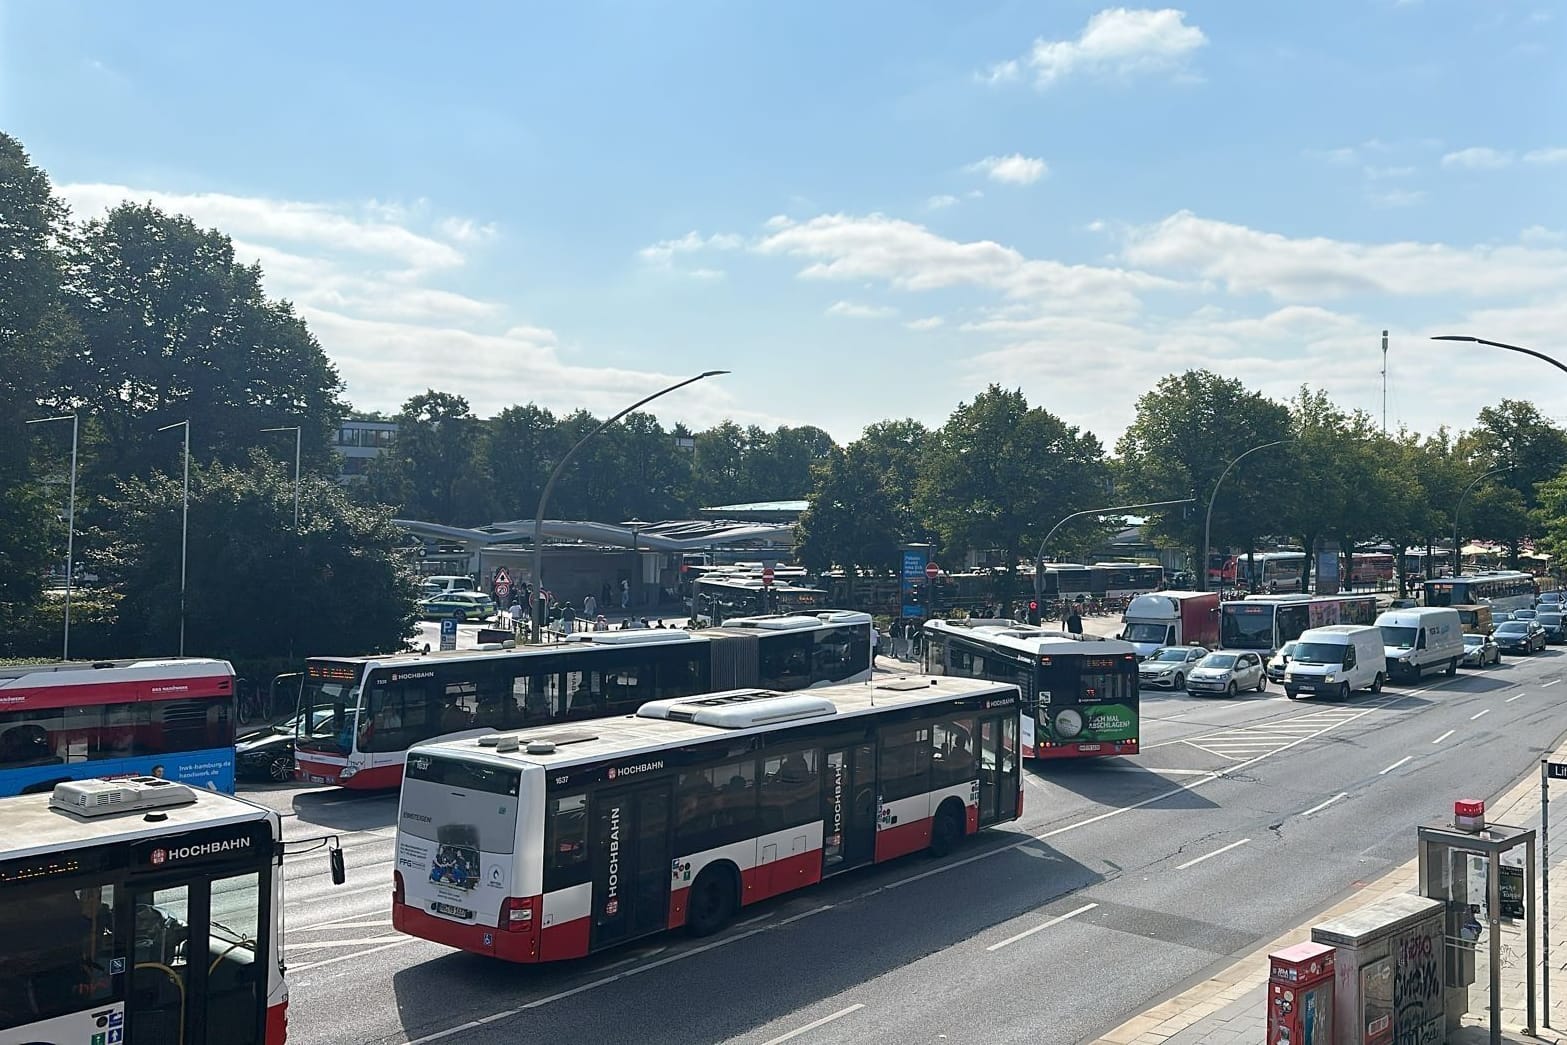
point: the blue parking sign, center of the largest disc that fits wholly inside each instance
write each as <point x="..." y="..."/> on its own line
<point x="449" y="632"/>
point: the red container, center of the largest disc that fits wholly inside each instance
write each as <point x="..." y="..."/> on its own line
<point x="1300" y="995"/>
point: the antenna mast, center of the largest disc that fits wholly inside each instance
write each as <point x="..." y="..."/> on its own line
<point x="1384" y="382"/>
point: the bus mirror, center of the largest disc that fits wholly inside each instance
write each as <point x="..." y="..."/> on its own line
<point x="335" y="858"/>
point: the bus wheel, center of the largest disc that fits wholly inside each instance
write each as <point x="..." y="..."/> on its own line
<point x="712" y="902"/>
<point x="1452" y="667"/>
<point x="947" y="831"/>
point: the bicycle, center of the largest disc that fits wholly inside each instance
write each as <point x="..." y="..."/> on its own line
<point x="248" y="703"/>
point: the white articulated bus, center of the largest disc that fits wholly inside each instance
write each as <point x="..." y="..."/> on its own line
<point x="553" y="843"/>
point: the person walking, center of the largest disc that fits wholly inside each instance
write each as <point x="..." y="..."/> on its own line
<point x="568" y="618"/>
<point x="625" y="595"/>
<point x="590" y="606"/>
<point x="1074" y="621"/>
<point x="875" y="642"/>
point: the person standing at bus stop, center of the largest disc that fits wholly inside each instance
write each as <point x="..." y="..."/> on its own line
<point x="1074" y="621"/>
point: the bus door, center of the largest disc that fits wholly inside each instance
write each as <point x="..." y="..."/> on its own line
<point x="998" y="773"/>
<point x="630" y="852"/>
<point x="849" y="808"/>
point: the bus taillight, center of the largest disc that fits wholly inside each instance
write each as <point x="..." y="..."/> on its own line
<point x="517" y="914"/>
<point x="397" y="888"/>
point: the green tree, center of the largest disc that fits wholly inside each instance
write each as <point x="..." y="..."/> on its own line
<point x="433" y="471"/>
<point x="256" y="587"/>
<point x="780" y="463"/>
<point x="173" y="327"/>
<point x="1516" y="437"/>
<point x="1000" y="474"/>
<point x="719" y="473"/>
<point x="853" y="521"/>
<point x="1188" y="429"/>
<point x="34" y="333"/>
<point x="524" y="443"/>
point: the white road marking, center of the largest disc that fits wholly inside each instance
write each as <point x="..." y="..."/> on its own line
<point x="1210" y="856"/>
<point x="1444" y="736"/>
<point x="346" y="957"/>
<point x="1319" y="807"/>
<point x="1026" y="933"/>
<point x="1477" y="714"/>
<point x="1509" y="700"/>
<point x="1395" y="765"/>
<point x="1553" y="682"/>
<point x="297" y="946"/>
<point x="840" y="1014"/>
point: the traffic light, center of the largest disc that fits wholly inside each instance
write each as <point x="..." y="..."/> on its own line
<point x="916" y="593"/>
<point x="1033" y="611"/>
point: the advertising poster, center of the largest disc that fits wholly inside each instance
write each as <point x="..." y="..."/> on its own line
<point x="913" y="572"/>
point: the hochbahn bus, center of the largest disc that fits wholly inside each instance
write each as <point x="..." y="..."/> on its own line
<point x="170" y="718"/>
<point x="1102" y="580"/>
<point x="1266" y="622"/>
<point x="716" y="599"/>
<point x="140" y="910"/>
<point x="553" y="843"/>
<point x="1080" y="693"/>
<point x="1502" y="590"/>
<point x="368" y="711"/>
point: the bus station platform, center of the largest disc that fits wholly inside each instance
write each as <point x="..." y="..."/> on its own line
<point x="1230" y="1006"/>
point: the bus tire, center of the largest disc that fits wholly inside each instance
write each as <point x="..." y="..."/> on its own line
<point x="947" y="830"/>
<point x="713" y="900"/>
<point x="1452" y="667"/>
<point x="1376" y="683"/>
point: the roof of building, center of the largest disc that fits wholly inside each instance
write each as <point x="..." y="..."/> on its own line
<point x="670" y="536"/>
<point x="759" y="511"/>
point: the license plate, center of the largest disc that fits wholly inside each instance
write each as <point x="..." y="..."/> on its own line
<point x="1306" y="687"/>
<point x="314" y="779"/>
<point x="450" y="910"/>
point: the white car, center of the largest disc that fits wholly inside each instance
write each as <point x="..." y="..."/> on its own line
<point x="1168" y="666"/>
<point x="1480" y="650"/>
<point x="1228" y="673"/>
<point x="1279" y="661"/>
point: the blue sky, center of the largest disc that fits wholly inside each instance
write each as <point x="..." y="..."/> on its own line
<point x="865" y="210"/>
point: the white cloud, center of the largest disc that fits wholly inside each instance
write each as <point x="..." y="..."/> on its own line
<point x="1478" y="158"/>
<point x="1398" y="197"/>
<point x="1248" y="261"/>
<point x="1117" y="41"/>
<point x="1546" y="156"/>
<point x="466" y="230"/>
<point x="662" y="253"/>
<point x="1016" y="169"/>
<point x="1541" y="234"/>
<point x="854" y="310"/>
<point x="925" y="323"/>
<point x="940" y="202"/>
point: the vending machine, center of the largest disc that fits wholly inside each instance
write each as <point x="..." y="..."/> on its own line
<point x="1300" y="995"/>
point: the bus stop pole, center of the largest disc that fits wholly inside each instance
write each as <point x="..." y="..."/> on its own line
<point x="1545" y="890"/>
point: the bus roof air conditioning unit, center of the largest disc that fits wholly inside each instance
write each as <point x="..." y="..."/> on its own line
<point x="740" y="709"/>
<point x="104" y="797"/>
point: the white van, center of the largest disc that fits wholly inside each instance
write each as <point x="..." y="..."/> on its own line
<point x="1335" y="660"/>
<point x="1417" y="641"/>
<point x="441" y="585"/>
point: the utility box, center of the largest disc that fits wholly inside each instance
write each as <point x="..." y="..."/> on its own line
<point x="1388" y="971"/>
<point x="1300" y="995"/>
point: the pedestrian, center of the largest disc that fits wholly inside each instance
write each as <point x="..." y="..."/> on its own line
<point x="568" y="618"/>
<point x="514" y="611"/>
<point x="590" y="606"/>
<point x="604" y="596"/>
<point x="625" y="594"/>
<point x="1074" y="621"/>
<point x="875" y="641"/>
<point x="601" y="624"/>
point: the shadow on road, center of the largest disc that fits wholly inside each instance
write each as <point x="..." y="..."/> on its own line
<point x="1119" y="782"/>
<point x="347" y="810"/>
<point x="730" y="985"/>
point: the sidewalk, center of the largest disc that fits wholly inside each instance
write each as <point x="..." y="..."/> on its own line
<point x="1230" y="1007"/>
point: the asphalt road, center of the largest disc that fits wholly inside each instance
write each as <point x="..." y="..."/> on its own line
<point x="1125" y="880"/>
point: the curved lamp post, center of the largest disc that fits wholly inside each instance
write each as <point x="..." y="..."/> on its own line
<point x="549" y="487"/>
<point x="1207" y="523"/>
<point x="1039" y="557"/>
<point x="1458" y="558"/>
<point x="1557" y="363"/>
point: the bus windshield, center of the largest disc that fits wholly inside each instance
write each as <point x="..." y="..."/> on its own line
<point x="1243" y="626"/>
<point x="1398" y="638"/>
<point x="1318" y="653"/>
<point x="328" y="706"/>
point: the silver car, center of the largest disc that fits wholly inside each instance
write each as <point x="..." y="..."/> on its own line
<point x="1279" y="661"/>
<point x="1480" y="650"/>
<point x="1228" y="673"/>
<point x="1168" y="667"/>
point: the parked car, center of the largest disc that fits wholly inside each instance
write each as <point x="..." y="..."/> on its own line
<point x="1227" y="673"/>
<point x="1279" y="661"/>
<point x="1168" y="666"/>
<point x="1519" y="636"/>
<point x="1555" y="626"/>
<point x="1480" y="650"/>
<point x="268" y="753"/>
<point x="469" y="605"/>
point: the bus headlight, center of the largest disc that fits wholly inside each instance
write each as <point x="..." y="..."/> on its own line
<point x="347" y="772"/>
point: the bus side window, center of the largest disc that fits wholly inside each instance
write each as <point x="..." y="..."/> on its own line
<point x="566" y="842"/>
<point x="905" y="762"/>
<point x="789" y="790"/>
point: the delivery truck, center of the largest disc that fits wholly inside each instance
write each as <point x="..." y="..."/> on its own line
<point x="1171" y="618"/>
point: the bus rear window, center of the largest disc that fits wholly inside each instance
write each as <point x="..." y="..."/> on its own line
<point x="470" y="776"/>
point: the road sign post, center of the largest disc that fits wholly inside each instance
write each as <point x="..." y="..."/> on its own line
<point x="449" y="633"/>
<point x="1548" y="771"/>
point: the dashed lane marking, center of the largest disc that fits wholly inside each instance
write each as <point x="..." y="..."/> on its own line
<point x="840" y="1014"/>
<point x="1444" y="736"/>
<point x="1395" y="765"/>
<point x="1209" y="856"/>
<point x="1057" y="920"/>
<point x="1320" y="806"/>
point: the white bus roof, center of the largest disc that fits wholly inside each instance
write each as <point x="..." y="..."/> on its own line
<point x="1028" y="639"/>
<point x="30" y="828"/>
<point x="570" y="744"/>
<point x="84" y="673"/>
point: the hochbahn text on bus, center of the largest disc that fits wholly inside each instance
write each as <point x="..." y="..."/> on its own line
<point x="553" y="843"/>
<point x="1080" y="692"/>
<point x="169" y="718"/>
<point x="143" y="911"/>
<point x="364" y="713"/>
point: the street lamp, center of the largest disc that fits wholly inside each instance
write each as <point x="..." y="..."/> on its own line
<point x="635" y="526"/>
<point x="1207" y="524"/>
<point x="184" y="523"/>
<point x="1039" y="557"/>
<point x="549" y="486"/>
<point x="70" y="528"/>
<point x="1558" y="364"/>
<point x="1458" y="561"/>
<point x="298" y="436"/>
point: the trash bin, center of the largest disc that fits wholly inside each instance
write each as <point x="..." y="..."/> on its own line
<point x="1300" y="995"/>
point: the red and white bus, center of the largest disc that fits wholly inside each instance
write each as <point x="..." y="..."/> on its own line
<point x="366" y="712"/>
<point x="169" y="718"/>
<point x="140" y="910"/>
<point x="553" y="843"/>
